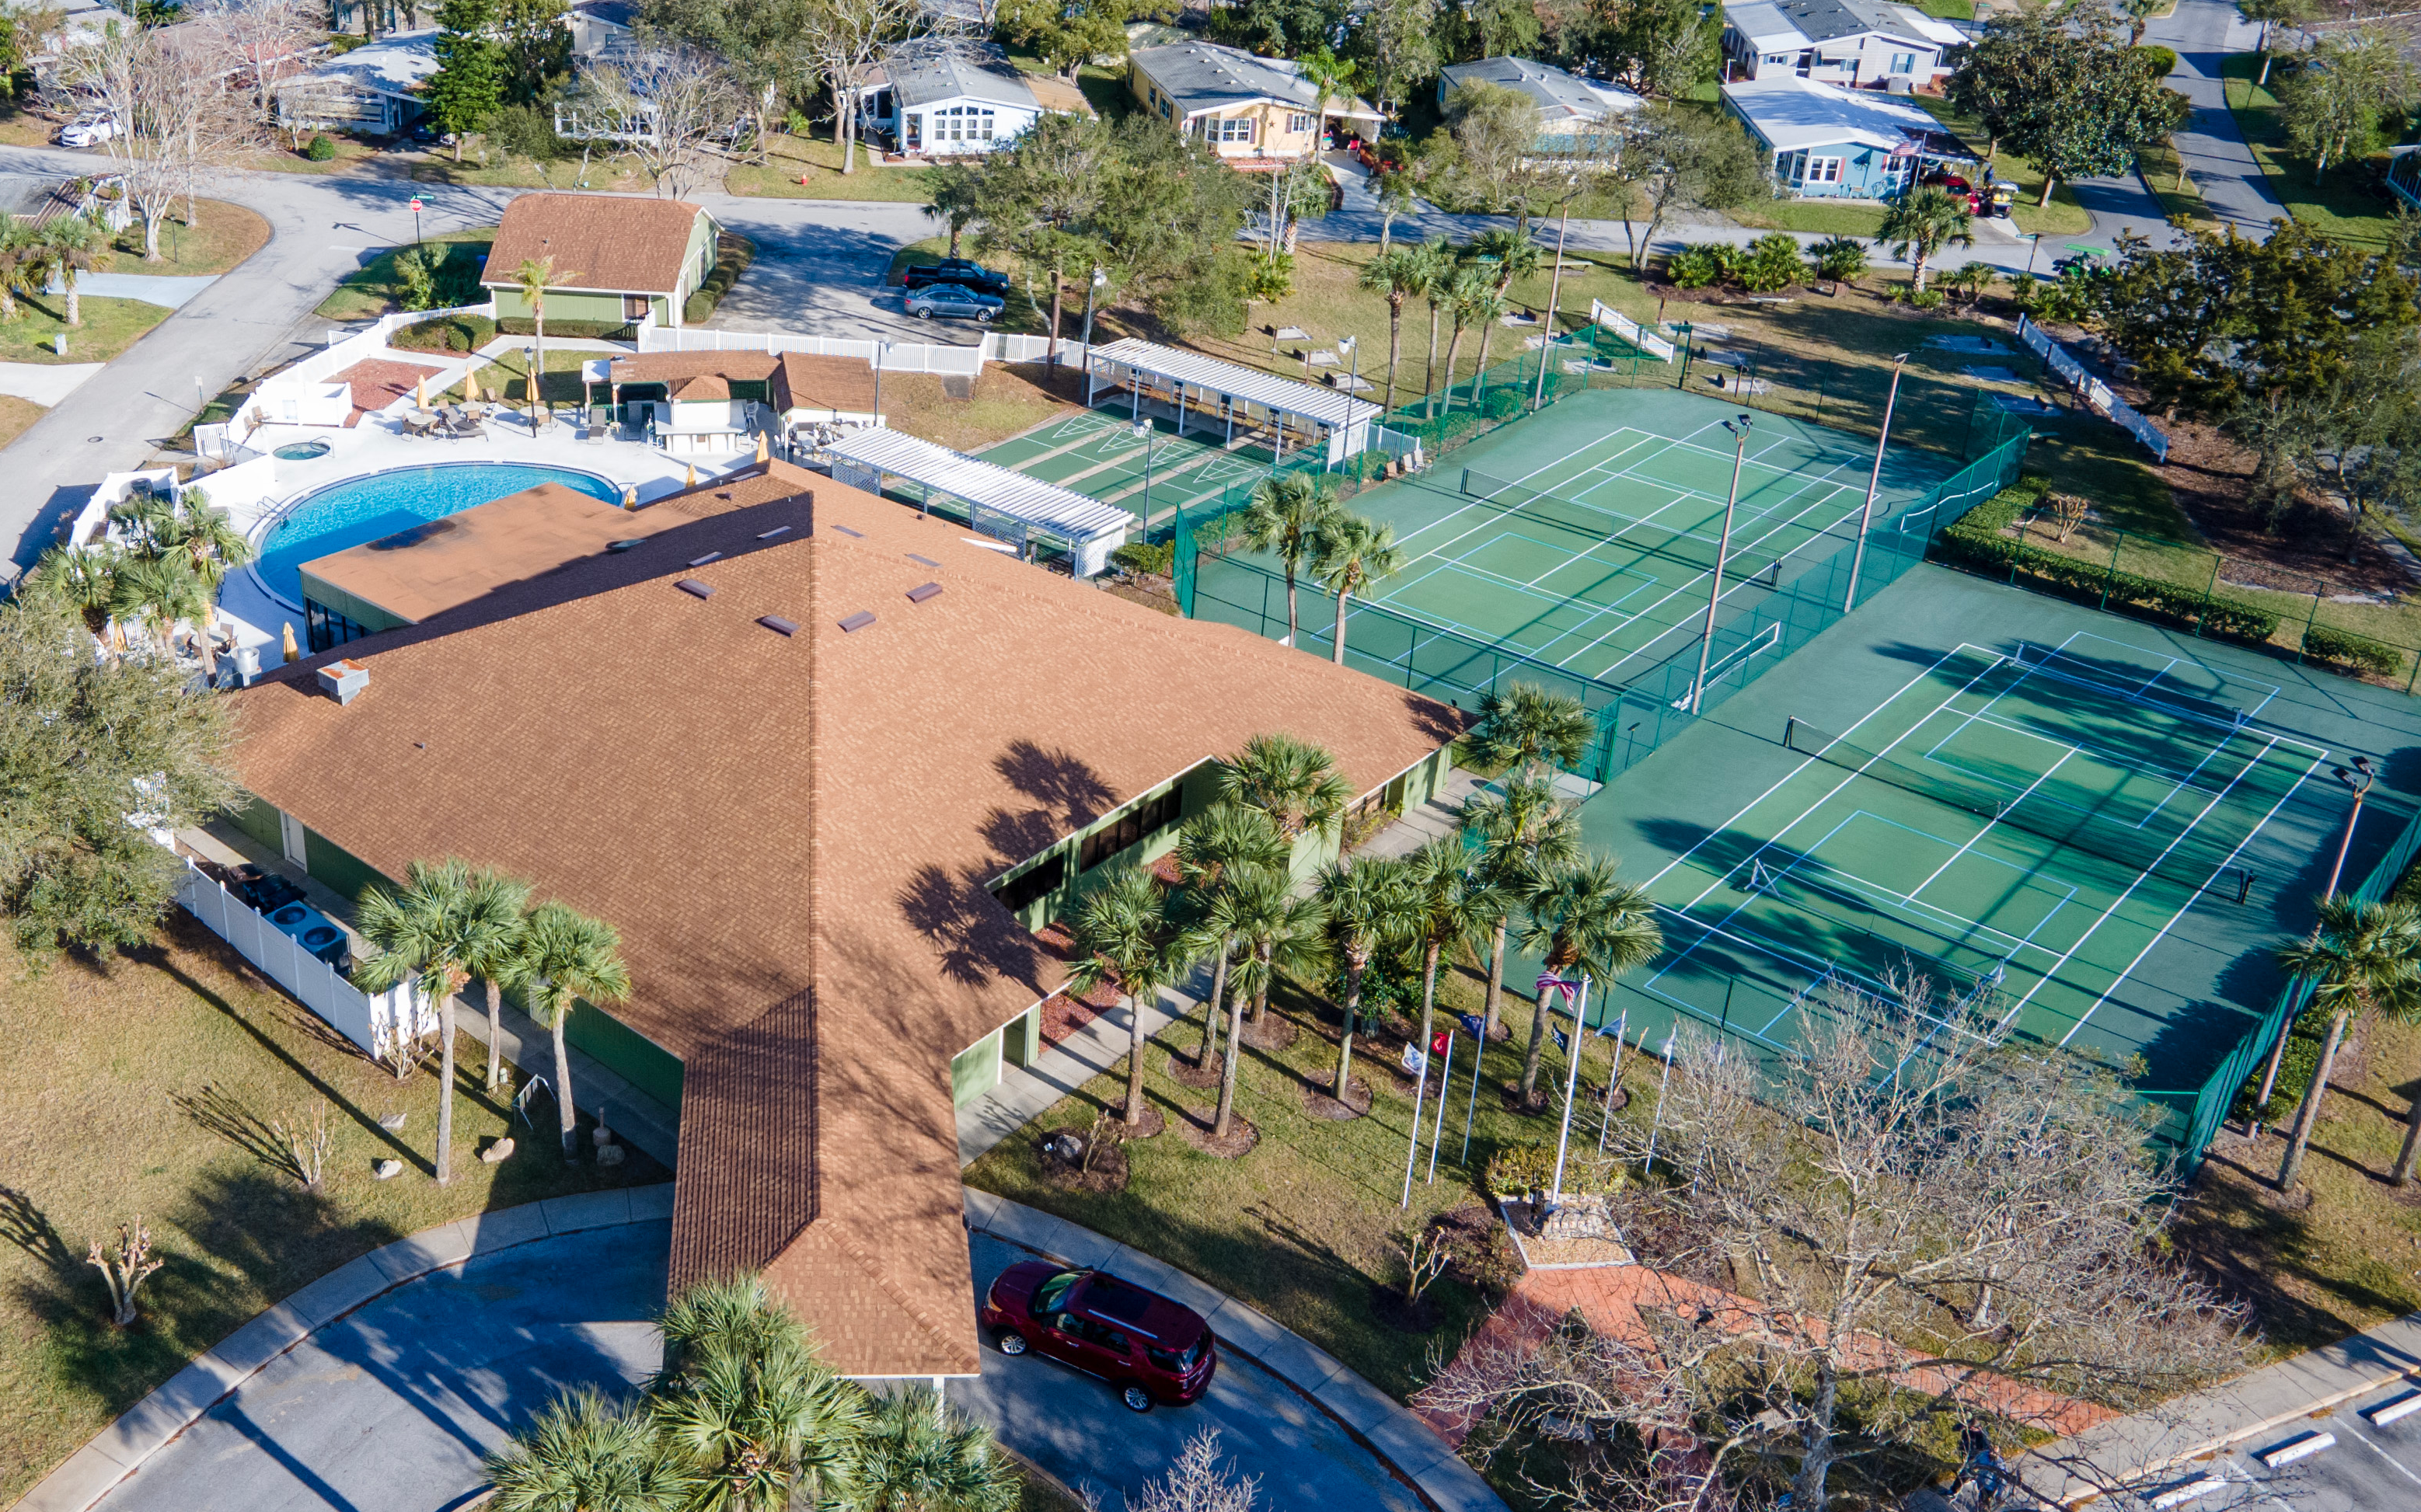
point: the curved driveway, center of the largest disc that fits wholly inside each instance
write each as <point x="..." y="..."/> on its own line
<point x="390" y="1408"/>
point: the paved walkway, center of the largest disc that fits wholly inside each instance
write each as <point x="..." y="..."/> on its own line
<point x="169" y="293"/>
<point x="2150" y="1445"/>
<point x="378" y="1387"/>
<point x="43" y="382"/>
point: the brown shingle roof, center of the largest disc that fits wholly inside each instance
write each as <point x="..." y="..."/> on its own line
<point x="702" y="386"/>
<point x="795" y="381"/>
<point x="794" y="834"/>
<point x="620" y="243"/>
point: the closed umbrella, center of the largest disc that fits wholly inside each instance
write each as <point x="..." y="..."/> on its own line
<point x="293" y="652"/>
<point x="692" y="477"/>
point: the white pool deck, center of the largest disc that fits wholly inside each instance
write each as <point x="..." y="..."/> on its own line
<point x="377" y="444"/>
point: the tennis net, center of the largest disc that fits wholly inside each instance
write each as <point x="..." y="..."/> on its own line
<point x="2170" y="853"/>
<point x="1686" y="547"/>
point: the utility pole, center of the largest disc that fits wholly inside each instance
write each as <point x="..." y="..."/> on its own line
<point x="1874" y="480"/>
<point x="1739" y="428"/>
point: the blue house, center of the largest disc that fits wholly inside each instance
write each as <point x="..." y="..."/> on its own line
<point x="1824" y="142"/>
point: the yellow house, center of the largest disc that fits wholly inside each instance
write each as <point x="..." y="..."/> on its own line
<point x="1254" y="112"/>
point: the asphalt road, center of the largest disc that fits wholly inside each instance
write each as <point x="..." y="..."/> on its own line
<point x="391" y="1409"/>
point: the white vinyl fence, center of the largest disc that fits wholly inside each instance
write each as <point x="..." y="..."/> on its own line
<point x="306" y="384"/>
<point x="1601" y="313"/>
<point x="898" y="356"/>
<point x="2095" y="393"/>
<point x="368" y="1020"/>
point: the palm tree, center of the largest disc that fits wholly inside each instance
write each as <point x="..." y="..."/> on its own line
<point x="1214" y="845"/>
<point x="534" y="276"/>
<point x="1278" y="930"/>
<point x="1517" y="835"/>
<point x="590" y="1454"/>
<point x="1398" y="274"/>
<point x="1445" y="903"/>
<point x="1354" y="553"/>
<point x="1529" y="731"/>
<point x="1285" y="519"/>
<point x="1437" y="269"/>
<point x="204" y="532"/>
<point x="1505" y="254"/>
<point x="71" y="245"/>
<point x="21" y="259"/>
<point x="2361" y="957"/>
<point x="768" y="1428"/>
<point x="1362" y="902"/>
<point x="735" y="1312"/>
<point x="447" y="924"/>
<point x="566" y="956"/>
<point x="1293" y="781"/>
<point x="917" y="1455"/>
<point x="1124" y="935"/>
<point x="160" y="591"/>
<point x="86" y="580"/>
<point x="1921" y="223"/>
<point x="1584" y="917"/>
<point x="1331" y="76"/>
<point x="1467" y="297"/>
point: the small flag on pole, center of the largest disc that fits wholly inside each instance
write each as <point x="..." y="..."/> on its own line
<point x="1473" y="1024"/>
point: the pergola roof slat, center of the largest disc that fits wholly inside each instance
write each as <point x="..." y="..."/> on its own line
<point x="1044" y="505"/>
<point x="1322" y="406"/>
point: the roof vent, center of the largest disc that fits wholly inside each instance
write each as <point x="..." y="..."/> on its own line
<point x="846" y="530"/>
<point x="927" y="560"/>
<point x="695" y="588"/>
<point x="857" y="621"/>
<point x="769" y="534"/>
<point x="778" y="624"/>
<point x="701" y="561"/>
<point x="923" y="591"/>
<point x="341" y="680"/>
<point x="625" y="545"/>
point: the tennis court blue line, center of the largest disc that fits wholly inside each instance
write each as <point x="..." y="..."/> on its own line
<point x="2182" y="712"/>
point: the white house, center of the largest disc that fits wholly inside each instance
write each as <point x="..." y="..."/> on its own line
<point x="377" y="90"/>
<point x="955" y="103"/>
<point x="1853" y="43"/>
<point x="1567" y="101"/>
<point x="1820" y="142"/>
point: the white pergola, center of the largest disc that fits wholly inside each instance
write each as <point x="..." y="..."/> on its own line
<point x="1166" y="374"/>
<point x="1086" y="527"/>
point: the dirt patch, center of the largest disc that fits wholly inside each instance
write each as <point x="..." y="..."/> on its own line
<point x="1537" y="1103"/>
<point x="1242" y="1136"/>
<point x="1275" y="1032"/>
<point x="1319" y="1104"/>
<point x="1062" y="1164"/>
<point x="1182" y="1071"/>
<point x="2212" y="478"/>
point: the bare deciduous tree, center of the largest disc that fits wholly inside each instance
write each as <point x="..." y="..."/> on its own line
<point x="172" y="118"/>
<point x="305" y="1145"/>
<point x="668" y="102"/>
<point x="261" y="44"/>
<point x="1197" y="1481"/>
<point x="124" y="1267"/>
<point x="845" y="36"/>
<point x="1928" y="1224"/>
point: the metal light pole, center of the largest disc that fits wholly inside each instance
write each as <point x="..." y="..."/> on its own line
<point x="1555" y="292"/>
<point x="1874" y="480"/>
<point x="1739" y="428"/>
<point x="1571" y="1084"/>
<point x="2032" y="248"/>
<point x="880" y="349"/>
<point x="1352" y="392"/>
<point x="1143" y="433"/>
<point x="2358" y="783"/>
<point x="1100" y="280"/>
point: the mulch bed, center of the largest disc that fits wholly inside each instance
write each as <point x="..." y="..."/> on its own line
<point x="1108" y="1175"/>
<point x="1182" y="1071"/>
<point x="1316" y="1102"/>
<point x="1275" y="1032"/>
<point x="1241" y="1135"/>
<point x="1153" y="1122"/>
<point x="1063" y="1015"/>
<point x="2211" y="478"/>
<point x="1540" y="1101"/>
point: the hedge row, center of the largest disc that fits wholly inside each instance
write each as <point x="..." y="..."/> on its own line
<point x="520" y="325"/>
<point x="2343" y="649"/>
<point x="733" y="256"/>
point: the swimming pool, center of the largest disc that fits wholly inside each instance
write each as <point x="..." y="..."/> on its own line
<point x="365" y="509"/>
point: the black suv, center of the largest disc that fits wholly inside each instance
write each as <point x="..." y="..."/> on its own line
<point x="963" y="271"/>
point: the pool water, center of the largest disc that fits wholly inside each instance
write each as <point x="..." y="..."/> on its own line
<point x="365" y="509"/>
<point x="302" y="451"/>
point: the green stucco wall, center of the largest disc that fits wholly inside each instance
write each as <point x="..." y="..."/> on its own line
<point x="335" y="867"/>
<point x="975" y="1070"/>
<point x="562" y="304"/>
<point x="626" y="1053"/>
<point x="258" y="821"/>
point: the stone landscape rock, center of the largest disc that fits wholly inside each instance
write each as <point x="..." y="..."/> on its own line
<point x="498" y="1151"/>
<point x="384" y="1169"/>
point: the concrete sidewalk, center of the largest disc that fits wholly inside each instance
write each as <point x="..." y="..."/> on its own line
<point x="2141" y="1448"/>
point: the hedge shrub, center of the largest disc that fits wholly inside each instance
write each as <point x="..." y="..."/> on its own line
<point x="454" y="332"/>
<point x="522" y="325"/>
<point x="2343" y="649"/>
<point x="1146" y="558"/>
<point x="733" y="256"/>
<point x="1697" y="267"/>
<point x="321" y="150"/>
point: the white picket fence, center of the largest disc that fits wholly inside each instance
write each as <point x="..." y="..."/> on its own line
<point x="2095" y="393"/>
<point x="369" y="1020"/>
<point x="1601" y="313"/>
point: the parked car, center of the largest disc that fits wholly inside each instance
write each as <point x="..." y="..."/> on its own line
<point x="90" y="129"/>
<point x="1993" y="197"/>
<point x="955" y="301"/>
<point x="1148" y="1347"/>
<point x="963" y="271"/>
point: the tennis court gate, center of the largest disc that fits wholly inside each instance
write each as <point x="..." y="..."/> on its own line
<point x="1214" y="579"/>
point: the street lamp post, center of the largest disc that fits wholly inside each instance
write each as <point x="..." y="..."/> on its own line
<point x="1099" y="281"/>
<point x="880" y="349"/>
<point x="1352" y="390"/>
<point x="1143" y="433"/>
<point x="2358" y="783"/>
<point x="2032" y="248"/>
<point x="1740" y="427"/>
<point x="1874" y="480"/>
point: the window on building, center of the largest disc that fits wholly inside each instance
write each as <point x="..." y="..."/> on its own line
<point x="1824" y="170"/>
<point x="1297" y="124"/>
<point x="1131" y="828"/>
<point x="634" y="307"/>
<point x="1903" y="63"/>
<point x="326" y="629"/>
<point x="1024" y="889"/>
<point x="1234" y="128"/>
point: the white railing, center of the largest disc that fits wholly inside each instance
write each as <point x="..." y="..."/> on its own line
<point x="898" y="356"/>
<point x="291" y="390"/>
<point x="2095" y="393"/>
<point x="1601" y="313"/>
<point x="1009" y="347"/>
<point x="1396" y="443"/>
<point x="369" y="1020"/>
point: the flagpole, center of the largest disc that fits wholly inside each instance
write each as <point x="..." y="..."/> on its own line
<point x="1571" y="1085"/>
<point x="1413" y="1150"/>
<point x="1479" y="1063"/>
<point x="1605" y="1121"/>
<point x="1657" y="1127"/>
<point x="1445" y="1080"/>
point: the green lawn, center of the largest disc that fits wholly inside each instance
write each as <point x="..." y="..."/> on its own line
<point x="2344" y="202"/>
<point x="1846" y="217"/>
<point x="615" y="174"/>
<point x="1300" y="1227"/>
<point x="228" y="234"/>
<point x="144" y="1086"/>
<point x="818" y="161"/>
<point x="351" y="152"/>
<point x="2063" y="216"/>
<point x="110" y="326"/>
<point x="368" y="291"/>
<point x="2179" y="196"/>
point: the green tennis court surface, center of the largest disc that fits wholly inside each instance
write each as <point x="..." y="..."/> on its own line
<point x="1586" y="537"/>
<point x="2021" y="828"/>
<point x="1099" y="454"/>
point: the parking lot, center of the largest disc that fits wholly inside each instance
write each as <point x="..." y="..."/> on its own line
<point x="2371" y="1467"/>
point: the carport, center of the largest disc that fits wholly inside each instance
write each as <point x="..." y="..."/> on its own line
<point x="1009" y="507"/>
<point x="1207" y="391"/>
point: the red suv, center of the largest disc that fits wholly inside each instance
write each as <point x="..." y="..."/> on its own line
<point x="1150" y="1349"/>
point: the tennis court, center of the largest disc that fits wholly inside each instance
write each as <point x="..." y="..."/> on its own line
<point x="2022" y="827"/>
<point x="1586" y="537"/>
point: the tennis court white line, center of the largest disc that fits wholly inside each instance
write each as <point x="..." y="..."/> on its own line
<point x="2185" y="782"/>
<point x="1998" y="660"/>
<point x="2179" y="710"/>
<point x="1595" y="611"/>
<point x="1994" y="821"/>
<point x="2188" y="908"/>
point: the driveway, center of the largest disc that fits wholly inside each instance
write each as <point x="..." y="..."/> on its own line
<point x="391" y="1407"/>
<point x="2233" y="185"/>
